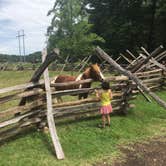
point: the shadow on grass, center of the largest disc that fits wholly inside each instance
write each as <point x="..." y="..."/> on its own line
<point x="16" y="136"/>
<point x="74" y="120"/>
<point x="46" y="139"/>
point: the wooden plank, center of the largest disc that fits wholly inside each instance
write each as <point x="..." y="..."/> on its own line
<point x="71" y="83"/>
<point x="77" y="102"/>
<point x="85" y="63"/>
<point x="148" y="72"/>
<point x="152" y="80"/>
<point x="133" y="77"/>
<point x="79" y="64"/>
<point x="155" y="75"/>
<point x="117" y="59"/>
<point x="160" y="56"/>
<point x="112" y="78"/>
<point x="135" y="62"/>
<point x="21" y="109"/>
<point x="152" y="60"/>
<point x="21" y="87"/>
<point x="126" y="58"/>
<point x="79" y="91"/>
<point x="36" y="76"/>
<point x="73" y="91"/>
<point x="64" y="65"/>
<point x="17" y="119"/>
<point x="50" y="118"/>
<point x="143" y="63"/>
<point x="50" y="58"/>
<point x="146" y="97"/>
<point x="18" y="95"/>
<point x="131" y="54"/>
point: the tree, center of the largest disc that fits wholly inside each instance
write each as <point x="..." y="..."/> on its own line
<point x="128" y="23"/>
<point x="160" y="23"/>
<point x="70" y="30"/>
<point x="118" y="22"/>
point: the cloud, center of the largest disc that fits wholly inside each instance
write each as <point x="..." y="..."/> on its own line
<point x="23" y="14"/>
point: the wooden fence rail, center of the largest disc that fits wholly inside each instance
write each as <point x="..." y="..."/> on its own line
<point x="33" y="113"/>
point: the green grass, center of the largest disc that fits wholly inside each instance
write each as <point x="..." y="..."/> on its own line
<point x="83" y="142"/>
<point x="11" y="78"/>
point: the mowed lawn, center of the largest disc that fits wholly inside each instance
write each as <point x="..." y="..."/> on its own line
<point x="83" y="142"/>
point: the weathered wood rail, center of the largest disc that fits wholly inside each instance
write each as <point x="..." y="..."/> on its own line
<point x="33" y="113"/>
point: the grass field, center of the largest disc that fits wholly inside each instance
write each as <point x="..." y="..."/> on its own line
<point x="11" y="78"/>
<point x="83" y="142"/>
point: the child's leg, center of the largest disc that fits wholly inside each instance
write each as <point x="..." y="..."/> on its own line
<point x="108" y="119"/>
<point x="103" y="120"/>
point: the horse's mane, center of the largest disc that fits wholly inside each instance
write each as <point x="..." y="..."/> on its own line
<point x="86" y="70"/>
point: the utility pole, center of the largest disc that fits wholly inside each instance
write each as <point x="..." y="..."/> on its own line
<point x="21" y="44"/>
<point x="23" y="35"/>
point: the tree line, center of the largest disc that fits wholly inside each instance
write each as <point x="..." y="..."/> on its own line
<point x="31" y="58"/>
<point x="116" y="25"/>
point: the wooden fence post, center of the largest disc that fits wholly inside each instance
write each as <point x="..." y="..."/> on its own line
<point x="36" y="76"/>
<point x="126" y="95"/>
<point x="50" y="118"/>
<point x="163" y="75"/>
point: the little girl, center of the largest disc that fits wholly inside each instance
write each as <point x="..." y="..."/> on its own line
<point x="105" y="96"/>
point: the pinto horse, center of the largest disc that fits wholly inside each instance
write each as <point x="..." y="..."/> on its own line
<point x="92" y="72"/>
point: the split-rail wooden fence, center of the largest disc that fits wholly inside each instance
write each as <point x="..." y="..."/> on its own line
<point x="32" y="113"/>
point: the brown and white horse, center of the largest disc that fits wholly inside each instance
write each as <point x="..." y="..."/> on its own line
<point x="92" y="72"/>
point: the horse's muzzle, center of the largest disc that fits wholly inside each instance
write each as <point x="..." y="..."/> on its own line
<point x="101" y="79"/>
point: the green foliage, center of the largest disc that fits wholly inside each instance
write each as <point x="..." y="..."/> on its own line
<point x="9" y="58"/>
<point x="70" y="30"/>
<point x="128" y="24"/>
<point x="78" y="45"/>
<point x="32" y="58"/>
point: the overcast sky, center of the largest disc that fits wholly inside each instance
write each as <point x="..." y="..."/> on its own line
<point x="30" y="15"/>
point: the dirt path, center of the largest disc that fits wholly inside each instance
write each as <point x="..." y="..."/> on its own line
<point x="152" y="153"/>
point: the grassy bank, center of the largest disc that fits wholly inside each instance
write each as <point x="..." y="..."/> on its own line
<point x="83" y="142"/>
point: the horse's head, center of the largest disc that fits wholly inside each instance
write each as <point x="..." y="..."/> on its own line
<point x="96" y="73"/>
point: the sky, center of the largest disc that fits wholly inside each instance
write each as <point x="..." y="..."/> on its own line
<point x="30" y="15"/>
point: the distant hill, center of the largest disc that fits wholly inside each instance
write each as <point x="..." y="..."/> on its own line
<point x="33" y="58"/>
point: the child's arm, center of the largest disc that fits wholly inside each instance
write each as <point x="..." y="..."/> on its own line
<point x="97" y="94"/>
